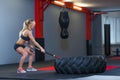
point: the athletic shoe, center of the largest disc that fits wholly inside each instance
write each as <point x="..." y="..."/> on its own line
<point x="31" y="69"/>
<point x="21" y="71"/>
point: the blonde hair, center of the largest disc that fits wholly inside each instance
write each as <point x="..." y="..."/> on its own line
<point x="25" y="25"/>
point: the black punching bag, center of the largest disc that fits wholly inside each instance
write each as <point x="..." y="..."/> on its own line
<point x="107" y="39"/>
<point x="64" y="23"/>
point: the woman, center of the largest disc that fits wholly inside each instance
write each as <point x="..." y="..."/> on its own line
<point x="25" y="36"/>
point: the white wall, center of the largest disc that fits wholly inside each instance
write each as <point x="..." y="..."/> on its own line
<point x="14" y="12"/>
<point x="96" y="34"/>
<point x="115" y="14"/>
<point x="75" y="45"/>
<point x="12" y="15"/>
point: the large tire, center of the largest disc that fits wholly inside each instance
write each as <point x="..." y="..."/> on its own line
<point x="80" y="65"/>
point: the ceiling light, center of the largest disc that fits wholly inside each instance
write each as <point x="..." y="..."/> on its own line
<point x="78" y="8"/>
<point x="60" y="3"/>
<point x="67" y="0"/>
<point x="81" y="4"/>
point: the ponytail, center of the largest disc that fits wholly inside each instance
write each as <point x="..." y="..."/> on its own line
<point x="25" y="25"/>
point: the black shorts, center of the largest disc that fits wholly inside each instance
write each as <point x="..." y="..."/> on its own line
<point x="17" y="45"/>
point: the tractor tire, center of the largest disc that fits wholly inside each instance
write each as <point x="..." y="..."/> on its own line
<point x="80" y="65"/>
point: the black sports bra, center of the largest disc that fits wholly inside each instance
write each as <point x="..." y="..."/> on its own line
<point x="25" y="38"/>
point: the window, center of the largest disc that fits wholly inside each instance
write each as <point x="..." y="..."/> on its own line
<point x="114" y="28"/>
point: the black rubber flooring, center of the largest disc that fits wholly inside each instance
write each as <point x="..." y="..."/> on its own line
<point x="8" y="72"/>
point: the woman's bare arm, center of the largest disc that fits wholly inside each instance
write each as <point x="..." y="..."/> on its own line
<point x="34" y="41"/>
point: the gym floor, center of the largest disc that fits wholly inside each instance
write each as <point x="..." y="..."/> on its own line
<point x="45" y="72"/>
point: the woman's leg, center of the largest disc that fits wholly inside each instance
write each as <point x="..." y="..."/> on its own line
<point x="24" y="54"/>
<point x="31" y="57"/>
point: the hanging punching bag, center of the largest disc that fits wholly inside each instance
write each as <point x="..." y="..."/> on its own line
<point x="64" y="23"/>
